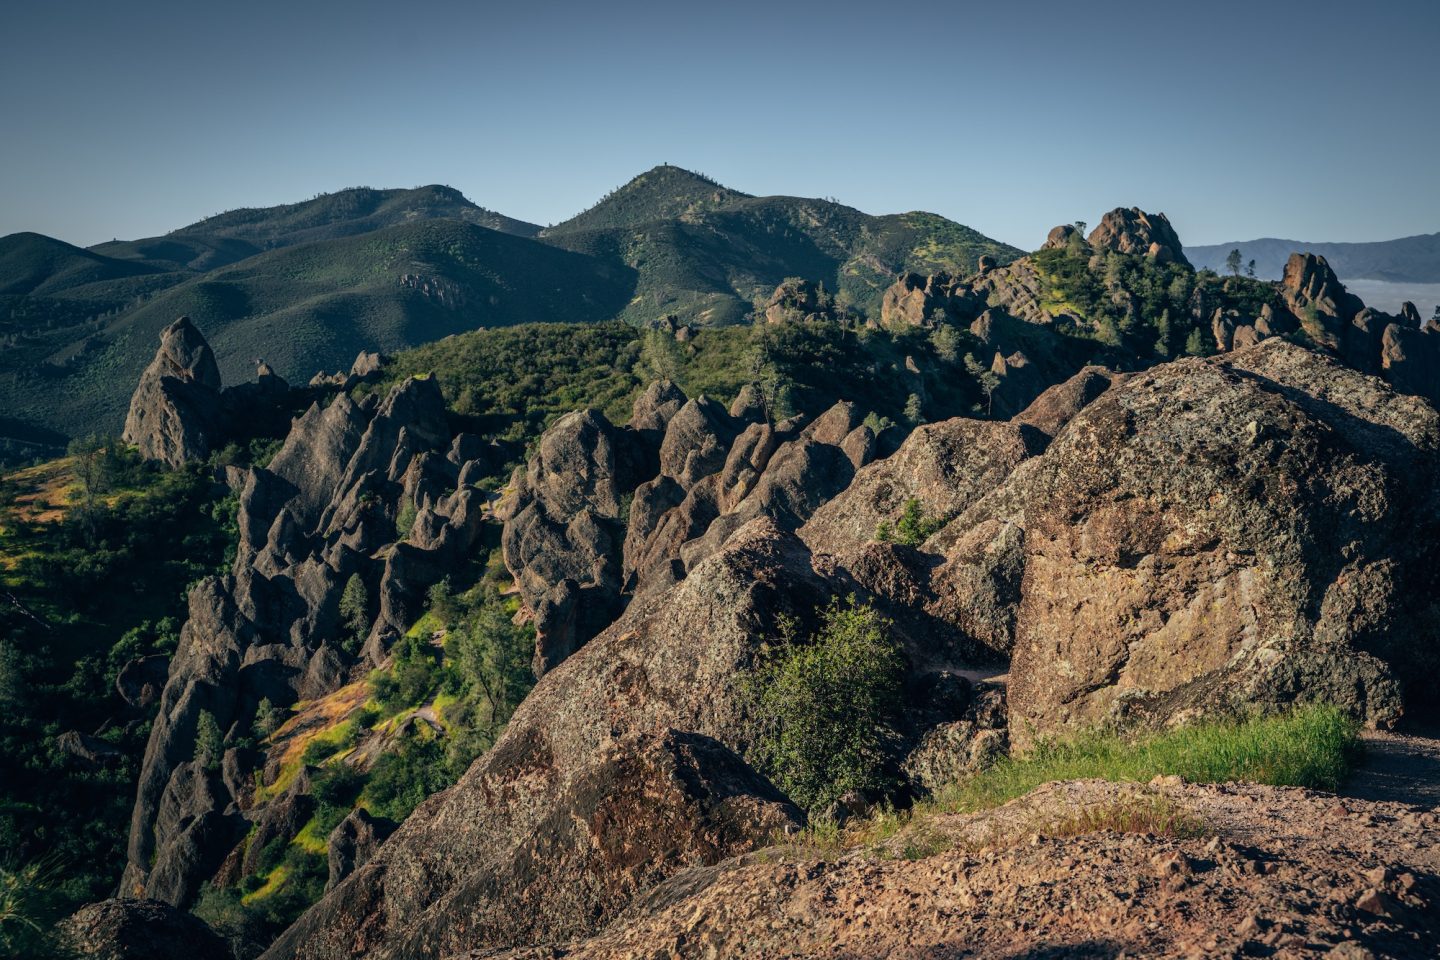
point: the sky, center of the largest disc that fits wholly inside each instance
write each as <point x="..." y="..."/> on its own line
<point x="1313" y="121"/>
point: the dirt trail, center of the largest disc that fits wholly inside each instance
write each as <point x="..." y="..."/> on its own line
<point x="1399" y="767"/>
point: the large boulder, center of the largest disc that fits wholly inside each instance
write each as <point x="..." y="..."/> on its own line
<point x="140" y="930"/>
<point x="1134" y="231"/>
<point x="175" y="413"/>
<point x="1215" y="534"/>
<point x="618" y="769"/>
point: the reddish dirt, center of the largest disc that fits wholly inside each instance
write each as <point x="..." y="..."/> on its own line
<point x="1275" y="872"/>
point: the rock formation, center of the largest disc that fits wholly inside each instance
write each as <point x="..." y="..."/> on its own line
<point x="140" y="930"/>
<point x="616" y="771"/>
<point x="915" y="301"/>
<point x="1134" y="231"/>
<point x="270" y="630"/>
<point x="175" y="414"/>
<point x="799" y="300"/>
<point x="575" y="555"/>
<point x="179" y="411"/>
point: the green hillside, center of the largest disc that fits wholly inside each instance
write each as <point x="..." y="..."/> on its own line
<point x="305" y="286"/>
<point x="35" y="265"/>
<point x="662" y="193"/>
<point x="232" y="236"/>
<point x="313" y="307"/>
<point x="711" y="265"/>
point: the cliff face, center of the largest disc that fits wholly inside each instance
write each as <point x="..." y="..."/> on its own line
<point x="323" y="511"/>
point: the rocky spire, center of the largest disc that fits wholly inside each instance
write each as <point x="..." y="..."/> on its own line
<point x="175" y="409"/>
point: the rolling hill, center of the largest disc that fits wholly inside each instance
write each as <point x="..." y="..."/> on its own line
<point x="306" y="286"/>
<point x="35" y="265"/>
<point x="1406" y="260"/>
<point x="704" y="253"/>
<point x="312" y="307"/>
<point x="233" y="236"/>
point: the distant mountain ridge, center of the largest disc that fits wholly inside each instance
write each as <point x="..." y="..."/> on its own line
<point x="306" y="286"/>
<point x="232" y="236"/>
<point x="704" y="252"/>
<point x="1405" y="260"/>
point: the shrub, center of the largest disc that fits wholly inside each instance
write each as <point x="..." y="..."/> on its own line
<point x="912" y="529"/>
<point x="823" y="709"/>
<point x="413" y="675"/>
<point x="29" y="906"/>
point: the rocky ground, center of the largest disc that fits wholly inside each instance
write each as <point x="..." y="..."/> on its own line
<point x="1256" y="871"/>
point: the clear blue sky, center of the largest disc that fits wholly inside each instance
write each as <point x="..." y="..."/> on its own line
<point x="1312" y="121"/>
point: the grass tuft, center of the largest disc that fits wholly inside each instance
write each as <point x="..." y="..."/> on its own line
<point x="1312" y="746"/>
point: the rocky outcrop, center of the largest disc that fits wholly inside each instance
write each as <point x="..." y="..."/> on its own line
<point x="797" y="300"/>
<point x="1134" y="231"/>
<point x="1272" y="871"/>
<point x="1247" y="530"/>
<point x="175" y="414"/>
<point x="603" y="513"/>
<point x="325" y="510"/>
<point x="353" y="842"/>
<point x="915" y="301"/>
<point x="1399" y="349"/>
<point x="140" y="930"/>
<point x="179" y="411"/>
<point x="619" y="769"/>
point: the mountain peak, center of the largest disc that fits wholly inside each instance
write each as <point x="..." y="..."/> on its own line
<point x="660" y="193"/>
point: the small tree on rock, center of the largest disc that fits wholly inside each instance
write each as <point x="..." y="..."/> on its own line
<point x="209" y="742"/>
<point x="354" y="613"/>
<point x="1232" y="261"/>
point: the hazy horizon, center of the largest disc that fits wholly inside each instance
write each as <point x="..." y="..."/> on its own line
<point x="129" y="121"/>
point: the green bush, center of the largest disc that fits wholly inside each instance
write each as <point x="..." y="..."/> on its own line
<point x="912" y="529"/>
<point x="1312" y="746"/>
<point x="823" y="709"/>
<point x="414" y="674"/>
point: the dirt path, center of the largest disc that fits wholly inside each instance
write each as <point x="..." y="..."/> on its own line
<point x="1399" y="767"/>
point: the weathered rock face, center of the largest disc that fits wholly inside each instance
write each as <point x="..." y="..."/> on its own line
<point x="1250" y="529"/>
<point x="689" y="473"/>
<point x="798" y="300"/>
<point x="946" y="466"/>
<point x="175" y="413"/>
<point x="140" y="930"/>
<point x="1134" y="231"/>
<point x="353" y="842"/>
<point x="915" y="301"/>
<point x="617" y="770"/>
<point x="322" y="512"/>
<point x="180" y="413"/>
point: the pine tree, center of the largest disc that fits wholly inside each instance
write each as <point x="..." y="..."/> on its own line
<point x="946" y="341"/>
<point x="209" y="742"/>
<point x="268" y="718"/>
<point x="1195" y="343"/>
<point x="354" y="613"/>
<point x="1232" y="261"/>
<point x="913" y="412"/>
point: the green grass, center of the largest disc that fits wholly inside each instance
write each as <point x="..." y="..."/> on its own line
<point x="1311" y="746"/>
